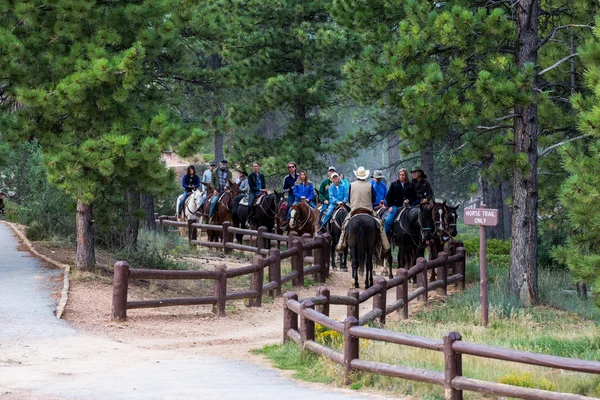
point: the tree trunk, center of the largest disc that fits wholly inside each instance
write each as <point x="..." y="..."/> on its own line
<point x="492" y="198"/>
<point x="523" y="252"/>
<point x="507" y="192"/>
<point x="132" y="222"/>
<point x="86" y="257"/>
<point x="427" y="162"/>
<point x="218" y="142"/>
<point x="393" y="155"/>
<point x="147" y="204"/>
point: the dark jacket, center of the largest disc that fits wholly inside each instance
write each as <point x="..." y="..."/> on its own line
<point x="187" y="180"/>
<point x="253" y="182"/>
<point x="288" y="186"/>
<point x="423" y="189"/>
<point x="396" y="195"/>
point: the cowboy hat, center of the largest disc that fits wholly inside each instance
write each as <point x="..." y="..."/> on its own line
<point x="378" y="174"/>
<point x="362" y="173"/>
<point x="417" y="168"/>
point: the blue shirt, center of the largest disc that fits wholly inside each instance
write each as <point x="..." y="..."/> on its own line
<point x="307" y="191"/>
<point x="380" y="192"/>
<point x="337" y="194"/>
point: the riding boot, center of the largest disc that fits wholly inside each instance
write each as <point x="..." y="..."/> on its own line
<point x="343" y="242"/>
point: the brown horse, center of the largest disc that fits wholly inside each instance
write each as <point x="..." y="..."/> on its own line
<point x="303" y="219"/>
<point x="222" y="209"/>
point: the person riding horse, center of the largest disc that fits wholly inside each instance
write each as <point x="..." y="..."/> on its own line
<point x="422" y="186"/>
<point x="220" y="181"/>
<point x="256" y="183"/>
<point x="190" y="182"/>
<point x="401" y="194"/>
<point x="206" y="179"/>
<point x="381" y="189"/>
<point x="362" y="196"/>
<point x="288" y="186"/>
<point x="324" y="191"/>
<point x="338" y="196"/>
<point x="304" y="189"/>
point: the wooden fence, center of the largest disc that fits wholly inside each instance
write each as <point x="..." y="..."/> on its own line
<point x="300" y="316"/>
<point x="299" y="252"/>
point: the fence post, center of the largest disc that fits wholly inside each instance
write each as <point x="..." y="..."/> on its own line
<point x="220" y="290"/>
<point x="422" y="277"/>
<point x="442" y="271"/>
<point x="450" y="248"/>
<point x="380" y="299"/>
<point x="290" y="318"/>
<point x="353" y="311"/>
<point x="307" y="327"/>
<point x="453" y="366"/>
<point x="120" y="284"/>
<point x="324" y="291"/>
<point x="462" y="265"/>
<point x="291" y="237"/>
<point x="298" y="263"/>
<point x="260" y="240"/>
<point x="402" y="291"/>
<point x="318" y="259"/>
<point x="192" y="233"/>
<point x="325" y="250"/>
<point x="160" y="222"/>
<point x="226" y="237"/>
<point x="275" y="271"/>
<point x="351" y="349"/>
<point x="256" y="282"/>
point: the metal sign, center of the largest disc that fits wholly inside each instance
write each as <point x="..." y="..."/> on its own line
<point x="481" y="216"/>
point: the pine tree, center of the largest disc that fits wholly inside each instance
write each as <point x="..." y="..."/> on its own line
<point x="89" y="80"/>
<point x="475" y="69"/>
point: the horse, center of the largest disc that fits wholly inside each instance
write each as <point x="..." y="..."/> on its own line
<point x="191" y="206"/>
<point x="303" y="219"/>
<point x="452" y="214"/>
<point x="411" y="233"/>
<point x="265" y="213"/>
<point x="222" y="211"/>
<point x="335" y="228"/>
<point x="281" y="220"/>
<point x="363" y="237"/>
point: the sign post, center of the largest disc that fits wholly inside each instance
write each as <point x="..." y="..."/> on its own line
<point x="482" y="217"/>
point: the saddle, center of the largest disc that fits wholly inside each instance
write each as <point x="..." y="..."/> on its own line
<point x="257" y="200"/>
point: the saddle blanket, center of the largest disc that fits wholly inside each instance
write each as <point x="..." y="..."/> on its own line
<point x="257" y="201"/>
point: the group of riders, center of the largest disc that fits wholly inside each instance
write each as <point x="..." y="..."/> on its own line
<point x="360" y="196"/>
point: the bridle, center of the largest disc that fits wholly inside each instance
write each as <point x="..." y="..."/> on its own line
<point x="308" y="215"/>
<point x="422" y="230"/>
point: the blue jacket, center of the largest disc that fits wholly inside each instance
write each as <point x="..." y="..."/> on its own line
<point x="380" y="192"/>
<point x="337" y="194"/>
<point x="307" y="191"/>
<point x="186" y="181"/>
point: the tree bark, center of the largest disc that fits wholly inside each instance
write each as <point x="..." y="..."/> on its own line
<point x="492" y="198"/>
<point x="218" y="143"/>
<point x="132" y="222"/>
<point x="427" y="162"/>
<point x="523" y="252"/>
<point x="86" y="257"/>
<point x="393" y="155"/>
<point x="147" y="204"/>
<point x="507" y="192"/>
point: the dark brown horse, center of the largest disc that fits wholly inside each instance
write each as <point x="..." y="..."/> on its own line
<point x="363" y="237"/>
<point x="303" y="219"/>
<point x="222" y="210"/>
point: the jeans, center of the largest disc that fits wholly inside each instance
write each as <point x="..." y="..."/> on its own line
<point x="186" y="194"/>
<point x="290" y="201"/>
<point x="389" y="221"/>
<point x="329" y="213"/>
<point x="251" y="197"/>
<point x="213" y="204"/>
<point x="310" y="202"/>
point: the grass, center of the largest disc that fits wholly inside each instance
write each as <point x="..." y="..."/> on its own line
<point x="563" y="325"/>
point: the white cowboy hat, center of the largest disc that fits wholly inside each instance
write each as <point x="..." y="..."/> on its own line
<point x="378" y="174"/>
<point x="362" y="173"/>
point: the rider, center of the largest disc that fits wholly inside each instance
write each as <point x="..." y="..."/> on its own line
<point x="304" y="190"/>
<point x="401" y="193"/>
<point x="380" y="189"/>
<point x="324" y="191"/>
<point x="338" y="195"/>
<point x="256" y="183"/>
<point x="422" y="186"/>
<point x="243" y="182"/>
<point x="288" y="186"/>
<point x="344" y="181"/>
<point x="220" y="181"/>
<point x="206" y="179"/>
<point x="362" y="197"/>
<point x="190" y="182"/>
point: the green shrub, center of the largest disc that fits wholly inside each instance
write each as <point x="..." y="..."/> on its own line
<point x="525" y="379"/>
<point x="153" y="250"/>
<point x="35" y="231"/>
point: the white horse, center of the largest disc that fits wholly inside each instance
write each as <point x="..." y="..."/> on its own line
<point x="190" y="207"/>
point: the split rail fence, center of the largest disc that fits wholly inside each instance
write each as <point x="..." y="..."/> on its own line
<point x="300" y="250"/>
<point x="300" y="316"/>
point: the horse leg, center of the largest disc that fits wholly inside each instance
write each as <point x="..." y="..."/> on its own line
<point x="369" y="273"/>
<point x="332" y="254"/>
<point x="344" y="260"/>
<point x="354" y="256"/>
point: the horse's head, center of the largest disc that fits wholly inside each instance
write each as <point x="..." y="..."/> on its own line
<point x="426" y="222"/>
<point x="234" y="188"/>
<point x="298" y="214"/>
<point x="195" y="200"/>
<point x="452" y="214"/>
<point x="440" y="218"/>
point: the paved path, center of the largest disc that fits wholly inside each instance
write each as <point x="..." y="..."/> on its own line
<point x="43" y="358"/>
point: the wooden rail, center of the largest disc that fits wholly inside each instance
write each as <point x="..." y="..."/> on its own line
<point x="300" y="315"/>
<point x="220" y="275"/>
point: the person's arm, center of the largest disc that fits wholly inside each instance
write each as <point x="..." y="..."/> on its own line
<point x="263" y="183"/>
<point x="373" y="195"/>
<point x="429" y="191"/>
<point x="389" y="198"/>
<point x="311" y="192"/>
<point x="322" y="192"/>
<point x="196" y="181"/>
<point x="297" y="192"/>
<point x="214" y="180"/>
<point x="183" y="182"/>
<point x="345" y="197"/>
<point x="332" y="198"/>
<point x="385" y="192"/>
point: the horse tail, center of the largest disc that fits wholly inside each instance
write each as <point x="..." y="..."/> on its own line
<point x="362" y="245"/>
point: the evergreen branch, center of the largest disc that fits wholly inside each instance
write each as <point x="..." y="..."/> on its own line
<point x="554" y="146"/>
<point x="567" y="58"/>
<point x="493" y="128"/>
<point x="551" y="36"/>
